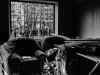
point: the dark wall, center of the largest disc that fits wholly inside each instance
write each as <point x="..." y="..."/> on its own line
<point x="68" y="18"/>
<point x="71" y="13"/>
<point x="4" y="22"/>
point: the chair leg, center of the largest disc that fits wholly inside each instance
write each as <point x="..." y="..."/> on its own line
<point x="94" y="68"/>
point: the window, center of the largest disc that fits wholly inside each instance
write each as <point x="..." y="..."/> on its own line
<point x="32" y="19"/>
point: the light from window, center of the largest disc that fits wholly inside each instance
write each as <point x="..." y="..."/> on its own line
<point x="32" y="19"/>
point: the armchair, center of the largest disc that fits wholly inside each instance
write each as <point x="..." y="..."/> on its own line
<point x="27" y="57"/>
<point x="54" y="48"/>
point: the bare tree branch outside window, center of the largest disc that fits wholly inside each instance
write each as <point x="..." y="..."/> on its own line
<point x="32" y="19"/>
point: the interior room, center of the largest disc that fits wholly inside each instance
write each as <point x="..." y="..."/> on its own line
<point x="76" y="21"/>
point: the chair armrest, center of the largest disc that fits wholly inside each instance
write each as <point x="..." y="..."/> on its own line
<point x="38" y="53"/>
<point x="14" y="55"/>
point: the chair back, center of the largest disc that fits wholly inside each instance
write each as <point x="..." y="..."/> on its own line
<point x="26" y="47"/>
<point x="49" y="42"/>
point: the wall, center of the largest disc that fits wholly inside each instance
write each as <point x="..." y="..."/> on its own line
<point x="4" y="24"/>
<point x="68" y="18"/>
<point x="79" y="18"/>
<point x="89" y="19"/>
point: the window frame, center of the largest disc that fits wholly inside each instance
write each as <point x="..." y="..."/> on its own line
<point x="41" y="2"/>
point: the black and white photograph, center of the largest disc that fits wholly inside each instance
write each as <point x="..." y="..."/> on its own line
<point x="49" y="37"/>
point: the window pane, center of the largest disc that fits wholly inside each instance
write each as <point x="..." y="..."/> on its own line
<point x="29" y="16"/>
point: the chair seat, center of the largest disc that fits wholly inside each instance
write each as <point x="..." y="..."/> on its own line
<point x="29" y="59"/>
<point x="28" y="66"/>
